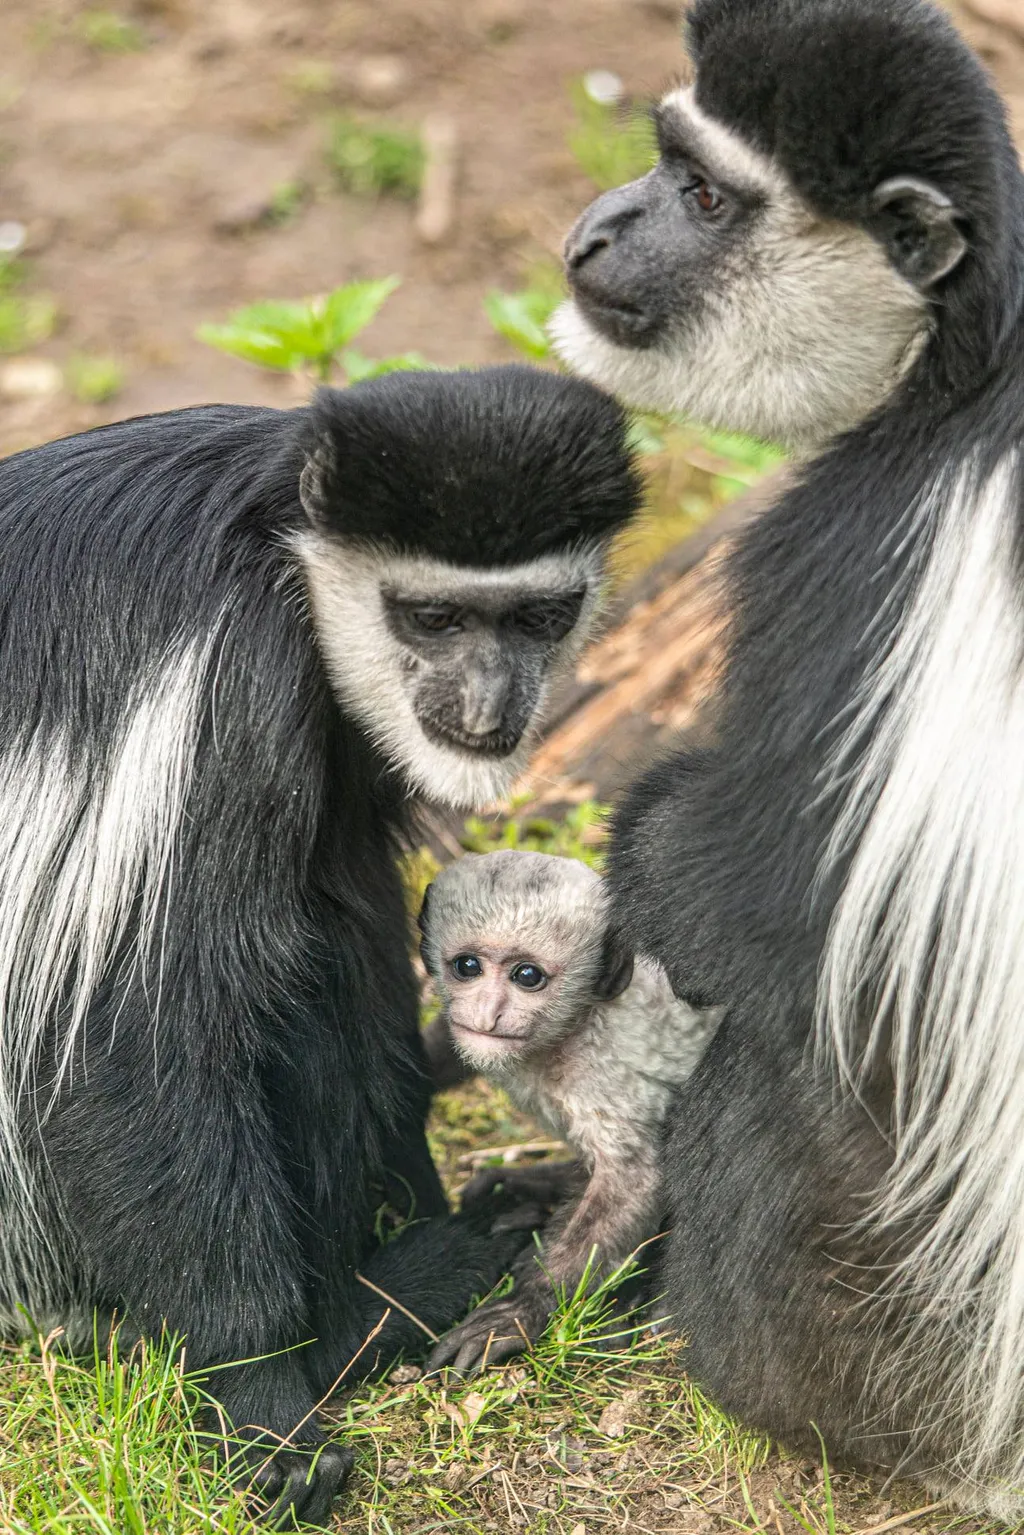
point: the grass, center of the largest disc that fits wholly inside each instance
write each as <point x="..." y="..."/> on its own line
<point x="109" y="32"/>
<point x="94" y="380"/>
<point x="598" y="1426"/>
<point x="373" y="159"/>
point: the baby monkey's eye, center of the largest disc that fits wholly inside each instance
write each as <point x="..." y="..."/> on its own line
<point x="529" y="977"/>
<point x="467" y="967"/>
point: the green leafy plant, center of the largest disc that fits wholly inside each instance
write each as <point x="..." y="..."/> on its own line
<point x="582" y="834"/>
<point x="311" y="334"/>
<point x="110" y="32"/>
<point x="370" y="159"/>
<point x="521" y="318"/>
<point x="93" y="379"/>
<point x="610" y="144"/>
<point x="25" y="320"/>
<point x="286" y="200"/>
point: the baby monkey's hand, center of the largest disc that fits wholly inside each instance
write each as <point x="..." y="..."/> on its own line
<point x="547" y="1183"/>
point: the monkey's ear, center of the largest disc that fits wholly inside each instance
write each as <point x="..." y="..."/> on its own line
<point x="421" y="923"/>
<point x="315" y="482"/>
<point x="920" y="228"/>
<point x="616" y="970"/>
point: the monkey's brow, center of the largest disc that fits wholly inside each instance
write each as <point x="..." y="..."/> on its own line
<point x="676" y="139"/>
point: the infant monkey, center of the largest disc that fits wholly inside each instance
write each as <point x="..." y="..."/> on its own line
<point x="541" y="996"/>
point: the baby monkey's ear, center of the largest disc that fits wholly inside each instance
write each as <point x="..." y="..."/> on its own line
<point x="421" y="923"/>
<point x="616" y="970"/>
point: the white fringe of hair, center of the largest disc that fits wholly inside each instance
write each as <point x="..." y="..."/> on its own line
<point x="81" y="844"/>
<point x="933" y="910"/>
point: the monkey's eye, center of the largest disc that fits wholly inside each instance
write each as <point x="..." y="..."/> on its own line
<point x="437" y="619"/>
<point x="529" y="977"/>
<point x="467" y="967"/>
<point x="707" y="197"/>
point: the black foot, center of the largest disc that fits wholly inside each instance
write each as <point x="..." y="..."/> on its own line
<point x="295" y="1486"/>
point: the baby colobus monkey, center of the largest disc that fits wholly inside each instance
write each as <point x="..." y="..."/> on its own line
<point x="542" y="997"/>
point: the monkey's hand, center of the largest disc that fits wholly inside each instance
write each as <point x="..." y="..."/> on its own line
<point x="494" y="1332"/>
<point x="547" y="1183"/>
<point x="293" y="1485"/>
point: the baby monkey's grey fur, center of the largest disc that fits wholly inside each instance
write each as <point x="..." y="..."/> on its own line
<point x="540" y="996"/>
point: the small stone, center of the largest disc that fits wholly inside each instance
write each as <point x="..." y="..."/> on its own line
<point x="603" y="86"/>
<point x="405" y="1374"/>
<point x="380" y="79"/>
<point x="12" y="237"/>
<point x="30" y="378"/>
<point x="613" y="1420"/>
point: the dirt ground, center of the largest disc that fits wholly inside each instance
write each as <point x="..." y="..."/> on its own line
<point x="136" y="174"/>
<point x="140" y="176"/>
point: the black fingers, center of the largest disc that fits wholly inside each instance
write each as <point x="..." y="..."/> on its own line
<point x="295" y="1487"/>
<point x="550" y="1183"/>
<point x="496" y="1331"/>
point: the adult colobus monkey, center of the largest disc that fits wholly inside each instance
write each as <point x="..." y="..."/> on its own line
<point x="233" y="640"/>
<point x="830" y="251"/>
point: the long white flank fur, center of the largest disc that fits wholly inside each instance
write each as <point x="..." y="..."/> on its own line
<point x="364" y="662"/>
<point x="81" y="842"/>
<point x="934" y="905"/>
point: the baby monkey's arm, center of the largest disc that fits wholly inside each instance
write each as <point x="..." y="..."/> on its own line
<point x="588" y="1239"/>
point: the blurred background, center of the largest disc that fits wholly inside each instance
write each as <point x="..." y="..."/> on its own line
<point x="164" y="163"/>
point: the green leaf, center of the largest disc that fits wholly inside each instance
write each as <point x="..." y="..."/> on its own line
<point x="645" y="435"/>
<point x="357" y="367"/>
<point x="260" y="347"/>
<point x="521" y="317"/>
<point x="287" y="334"/>
<point x="350" y="309"/>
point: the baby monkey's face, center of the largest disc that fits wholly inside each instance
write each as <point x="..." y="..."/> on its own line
<point x="502" y="1002"/>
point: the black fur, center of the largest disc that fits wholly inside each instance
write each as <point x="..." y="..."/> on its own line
<point x="216" y="1156"/>
<point x="845" y="94"/>
<point x="716" y="851"/>
<point x="502" y="464"/>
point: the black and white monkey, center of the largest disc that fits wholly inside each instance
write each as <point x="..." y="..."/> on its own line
<point x="830" y="252"/>
<point x="541" y="996"/>
<point x="234" y="641"/>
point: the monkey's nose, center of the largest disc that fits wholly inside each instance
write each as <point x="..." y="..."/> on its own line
<point x="581" y="247"/>
<point x="600" y="225"/>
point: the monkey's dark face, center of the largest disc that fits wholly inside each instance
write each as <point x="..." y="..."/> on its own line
<point x="710" y="287"/>
<point x="448" y="668"/>
<point x="478" y="663"/>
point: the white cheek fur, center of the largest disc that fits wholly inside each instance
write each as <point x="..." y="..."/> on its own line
<point x="812" y="333"/>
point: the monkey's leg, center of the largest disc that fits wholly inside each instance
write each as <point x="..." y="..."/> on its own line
<point x="168" y="1175"/>
<point x="768" y="1270"/>
<point x="616" y="1213"/>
